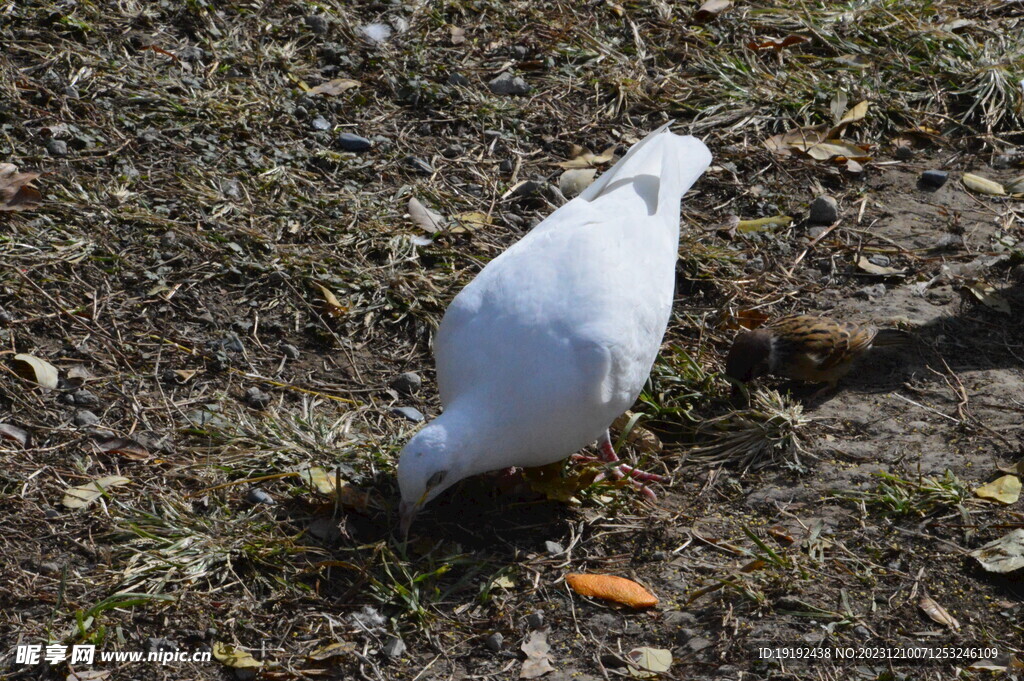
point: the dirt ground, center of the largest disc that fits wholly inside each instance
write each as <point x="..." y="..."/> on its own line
<point x="197" y="203"/>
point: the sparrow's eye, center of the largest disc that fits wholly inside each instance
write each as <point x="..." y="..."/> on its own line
<point x="435" y="479"/>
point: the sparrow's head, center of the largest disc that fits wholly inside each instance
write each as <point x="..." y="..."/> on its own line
<point x="750" y="355"/>
<point x="427" y="466"/>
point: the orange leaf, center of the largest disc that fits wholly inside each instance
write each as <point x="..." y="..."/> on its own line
<point x="612" y="588"/>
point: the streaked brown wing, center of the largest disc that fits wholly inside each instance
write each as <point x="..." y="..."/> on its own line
<point x="828" y="341"/>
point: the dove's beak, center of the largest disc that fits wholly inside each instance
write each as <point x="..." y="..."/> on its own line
<point x="407" y="512"/>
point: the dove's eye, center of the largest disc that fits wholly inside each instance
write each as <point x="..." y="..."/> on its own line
<point x="435" y="479"/>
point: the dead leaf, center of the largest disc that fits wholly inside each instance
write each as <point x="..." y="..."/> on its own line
<point x="782" y="143"/>
<point x="78" y="374"/>
<point x="16" y="190"/>
<point x="761" y="224"/>
<point x="1005" y="554"/>
<point x="781" y="535"/>
<point x="987" y="296"/>
<point x="983" y="185"/>
<point x="234" y="657"/>
<point x="575" y="180"/>
<point x="425" y="219"/>
<point x="710" y="9"/>
<point x="37" y="370"/>
<point x="537" y="649"/>
<point x="83" y="495"/>
<point x="1015" y="469"/>
<point x="1005" y="490"/>
<point x="832" y="149"/>
<point x="646" y="663"/>
<point x="88" y="675"/>
<point x="777" y="45"/>
<point x="580" y="157"/>
<point x="1016" y="185"/>
<point x="747" y="319"/>
<point x="471" y="220"/>
<point x="128" y="448"/>
<point x="319" y="478"/>
<point x="332" y="307"/>
<point x="333" y="650"/>
<point x="458" y="35"/>
<point x="559" y="485"/>
<point x="937" y="613"/>
<point x="186" y="375"/>
<point x="871" y="268"/>
<point x="641" y="438"/>
<point x="612" y="588"/>
<point x="503" y="582"/>
<point x="334" y="87"/>
<point x="855" y="113"/>
<point x="14" y="434"/>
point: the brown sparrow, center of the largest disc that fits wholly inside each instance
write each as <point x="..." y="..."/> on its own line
<point x="805" y="348"/>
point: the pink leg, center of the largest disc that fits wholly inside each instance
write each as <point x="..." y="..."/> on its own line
<point x="622" y="470"/>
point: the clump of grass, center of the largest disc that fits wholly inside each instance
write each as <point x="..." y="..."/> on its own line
<point x="899" y="497"/>
<point x="768" y="431"/>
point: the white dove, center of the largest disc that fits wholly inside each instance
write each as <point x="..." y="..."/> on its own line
<point x="555" y="337"/>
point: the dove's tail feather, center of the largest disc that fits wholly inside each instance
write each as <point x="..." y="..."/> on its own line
<point x="661" y="168"/>
<point x="892" y="337"/>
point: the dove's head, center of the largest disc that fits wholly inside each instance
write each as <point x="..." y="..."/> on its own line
<point x="429" y="464"/>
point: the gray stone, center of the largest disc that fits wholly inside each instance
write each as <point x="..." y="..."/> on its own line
<point x="535" y="620"/>
<point x="257" y="496"/>
<point x="933" y="179"/>
<point x="168" y="240"/>
<point x="553" y="548"/>
<point x="394" y="648"/>
<point x="407" y="383"/>
<point x="85" y="418"/>
<point x="698" y="643"/>
<point x="191" y="53"/>
<point x="320" y="123"/>
<point x="904" y="152"/>
<point x="289" y="351"/>
<point x="55" y="147"/>
<point x="317" y="24"/>
<point x="411" y="413"/>
<point x="419" y="165"/>
<point x="494" y="642"/>
<point x="257" y="398"/>
<point x="507" y="84"/>
<point x="354" y="143"/>
<point x="85" y="398"/>
<point x="155" y="644"/>
<point x="824" y="211"/>
<point x="458" y="79"/>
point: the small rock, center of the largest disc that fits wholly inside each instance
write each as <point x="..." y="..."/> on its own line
<point x="207" y="318"/>
<point x="949" y="242"/>
<point x="5" y="316"/>
<point x="659" y="555"/>
<point x="553" y="548"/>
<point x="933" y="179"/>
<point x="411" y="413"/>
<point x="1004" y="161"/>
<point x="903" y="153"/>
<point x="815" y="232"/>
<point x="458" y="79"/>
<point x="85" y="398"/>
<point x="698" y="643"/>
<point x="257" y="496"/>
<point x="289" y="351"/>
<point x="85" y="418"/>
<point x="317" y="24"/>
<point x="256" y="398"/>
<point x="862" y="631"/>
<point x="51" y="513"/>
<point x="320" y="123"/>
<point x="519" y="52"/>
<point x="407" y="383"/>
<point x="419" y="165"/>
<point x="233" y="343"/>
<point x="880" y="260"/>
<point x="507" y="84"/>
<point x="168" y="240"/>
<point x="191" y="53"/>
<point x="71" y="92"/>
<point x="871" y="292"/>
<point x="494" y="642"/>
<point x="158" y="645"/>
<point x="354" y="143"/>
<point x="56" y="147"/>
<point x="506" y="166"/>
<point x="535" y="620"/>
<point x="394" y="648"/>
<point x="679" y="618"/>
<point x="824" y="211"/>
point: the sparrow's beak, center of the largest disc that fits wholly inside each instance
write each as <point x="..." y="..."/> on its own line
<point x="407" y="512"/>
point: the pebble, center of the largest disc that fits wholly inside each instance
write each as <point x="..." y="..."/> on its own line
<point x="320" y="123"/>
<point x="553" y="548"/>
<point x="233" y="343"/>
<point x="933" y="179"/>
<point x="257" y="496"/>
<point x="506" y="166"/>
<point x="698" y="643"/>
<point x="815" y="232"/>
<point x="289" y="351"/>
<point x="411" y="413"/>
<point x="407" y="383"/>
<point x="507" y="84"/>
<point x="519" y="52"/>
<point x="458" y="79"/>
<point x="191" y="53"/>
<point x="85" y="398"/>
<point x="880" y="260"/>
<point x="903" y="153"/>
<point x="394" y="648"/>
<point x="317" y="24"/>
<point x="419" y="165"/>
<point x="1003" y="161"/>
<point x="85" y="418"/>
<point x="168" y="240"/>
<point x="51" y="513"/>
<point x="494" y="642"/>
<point x="354" y="143"/>
<point x="5" y="316"/>
<point x="535" y="620"/>
<point x="256" y="398"/>
<point x="155" y="644"/>
<point x="56" y="147"/>
<point x="824" y="211"/>
<point x="71" y="92"/>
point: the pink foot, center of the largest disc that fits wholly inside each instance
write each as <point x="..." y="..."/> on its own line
<point x="622" y="470"/>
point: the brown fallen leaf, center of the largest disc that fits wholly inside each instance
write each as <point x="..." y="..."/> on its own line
<point x="334" y="87"/>
<point x="747" y="319"/>
<point x="14" y="434"/>
<point x="937" y="613"/>
<point x="332" y="307"/>
<point x="16" y="190"/>
<point x="126" y="447"/>
<point x="612" y="588"/>
<point x="710" y="9"/>
<point x="777" y="45"/>
<point x="641" y="438"/>
<point x="537" y="650"/>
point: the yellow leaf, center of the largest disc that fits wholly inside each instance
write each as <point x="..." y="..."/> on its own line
<point x="761" y="224"/>
<point x="324" y="481"/>
<point x="983" y="185"/>
<point x="332" y="650"/>
<point x="1005" y="490"/>
<point x="937" y="613"/>
<point x="234" y="657"/>
<point x="332" y="306"/>
<point x="612" y="588"/>
<point x="36" y="370"/>
<point x="83" y="495"/>
<point x="557" y="485"/>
